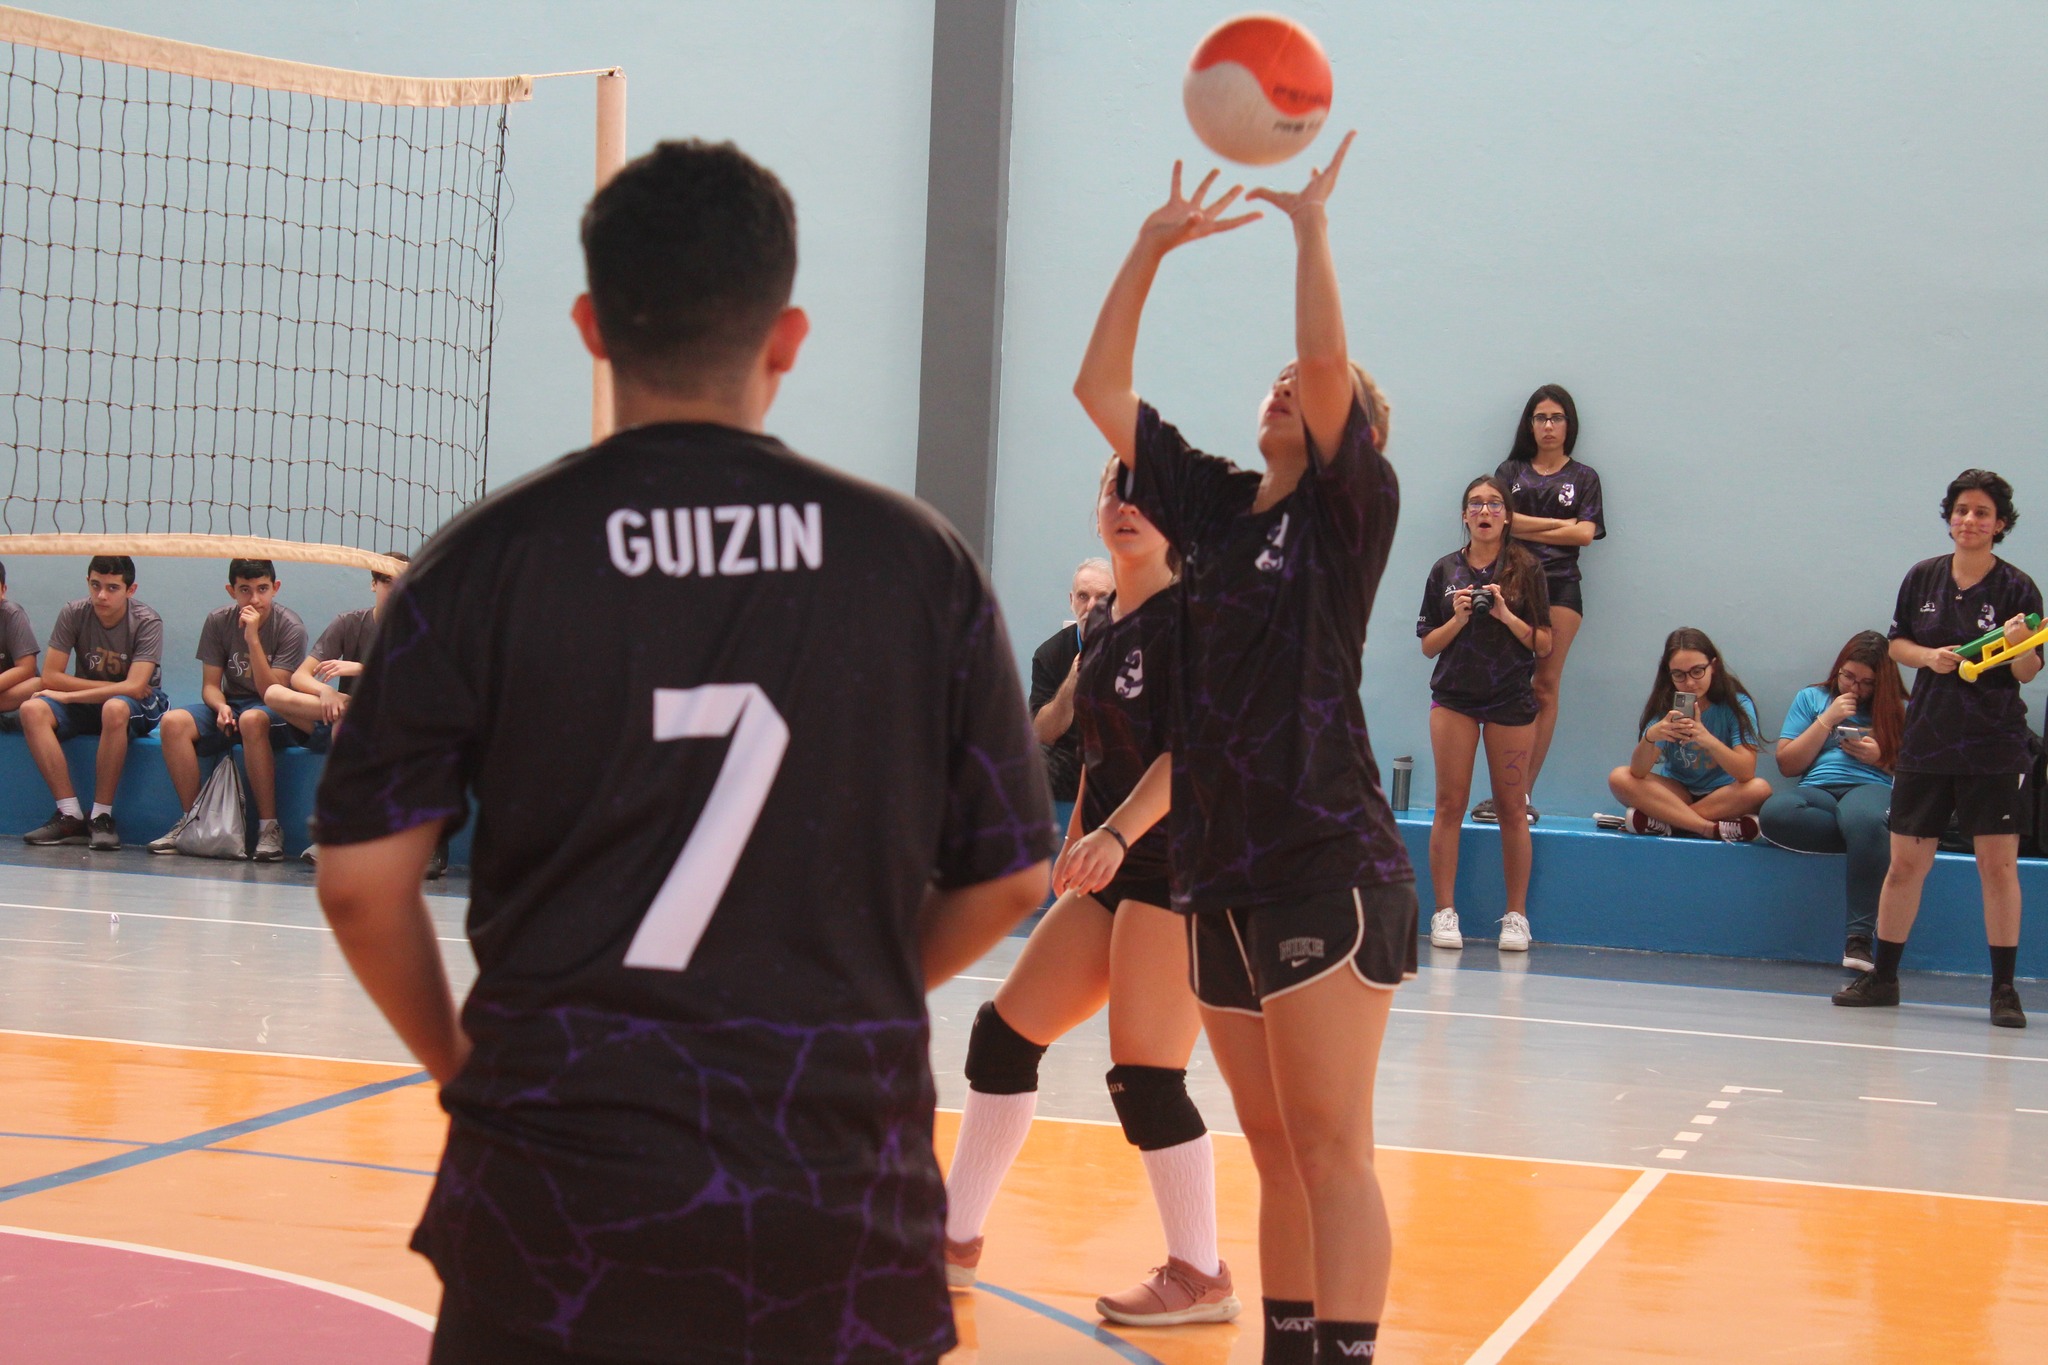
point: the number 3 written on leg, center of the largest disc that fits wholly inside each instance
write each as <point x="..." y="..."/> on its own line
<point x="682" y="909"/>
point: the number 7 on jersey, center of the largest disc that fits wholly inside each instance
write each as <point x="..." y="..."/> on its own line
<point x="682" y="909"/>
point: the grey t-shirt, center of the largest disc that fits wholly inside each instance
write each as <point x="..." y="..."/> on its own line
<point x="103" y="653"/>
<point x="221" y="644"/>
<point x="16" y="633"/>
<point x="347" y="638"/>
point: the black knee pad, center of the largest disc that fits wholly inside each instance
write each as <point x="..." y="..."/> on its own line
<point x="1000" y="1060"/>
<point x="1153" y="1103"/>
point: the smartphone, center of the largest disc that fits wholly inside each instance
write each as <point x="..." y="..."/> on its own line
<point x="1687" y="704"/>
<point x="1852" y="731"/>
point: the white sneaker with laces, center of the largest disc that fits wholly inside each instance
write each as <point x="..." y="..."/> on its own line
<point x="1443" y="929"/>
<point x="1514" y="932"/>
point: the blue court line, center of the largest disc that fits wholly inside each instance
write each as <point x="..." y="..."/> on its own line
<point x="157" y="1151"/>
<point x="1087" y="1329"/>
<point x="318" y="1160"/>
<point x="72" y="1137"/>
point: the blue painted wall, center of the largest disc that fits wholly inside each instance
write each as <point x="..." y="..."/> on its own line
<point x="1792" y="260"/>
<point x="835" y="97"/>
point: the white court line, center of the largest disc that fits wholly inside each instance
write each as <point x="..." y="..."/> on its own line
<point x="2030" y="1111"/>
<point x="200" y="1047"/>
<point x="339" y="1291"/>
<point x="1495" y="1348"/>
<point x="1887" y="1099"/>
<point x="198" y="919"/>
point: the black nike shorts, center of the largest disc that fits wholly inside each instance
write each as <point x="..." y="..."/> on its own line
<point x="1991" y="803"/>
<point x="1150" y="890"/>
<point x="1239" y="959"/>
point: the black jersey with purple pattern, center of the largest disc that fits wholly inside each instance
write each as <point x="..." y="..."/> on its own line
<point x="1275" y="791"/>
<point x="723" y="1153"/>
<point x="1571" y="494"/>
<point x="1952" y="726"/>
<point x="1484" y="672"/>
<point x="1123" y="699"/>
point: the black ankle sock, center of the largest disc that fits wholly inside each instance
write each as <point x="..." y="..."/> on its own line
<point x="1888" y="955"/>
<point x="1290" y="1332"/>
<point x="1341" y="1343"/>
<point x="2003" y="960"/>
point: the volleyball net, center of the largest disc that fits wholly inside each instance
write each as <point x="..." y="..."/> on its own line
<point x="247" y="306"/>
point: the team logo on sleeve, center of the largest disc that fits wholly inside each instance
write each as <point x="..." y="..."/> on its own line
<point x="1566" y="493"/>
<point x="1274" y="556"/>
<point x="1130" y="679"/>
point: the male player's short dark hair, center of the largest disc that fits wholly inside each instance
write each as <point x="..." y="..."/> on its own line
<point x="1992" y="486"/>
<point x="690" y="254"/>
<point x="250" y="568"/>
<point x="120" y="566"/>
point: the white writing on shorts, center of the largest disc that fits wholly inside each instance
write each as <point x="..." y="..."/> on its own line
<point x="716" y="542"/>
<point x="1295" y="951"/>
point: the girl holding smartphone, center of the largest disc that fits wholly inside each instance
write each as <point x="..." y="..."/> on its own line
<point x="1693" y="771"/>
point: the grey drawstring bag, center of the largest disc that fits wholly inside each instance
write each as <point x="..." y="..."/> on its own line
<point x="218" y="826"/>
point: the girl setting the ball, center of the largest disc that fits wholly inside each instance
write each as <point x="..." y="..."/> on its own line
<point x="1285" y="856"/>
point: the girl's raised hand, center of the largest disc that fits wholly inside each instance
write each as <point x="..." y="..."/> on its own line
<point x="1316" y="193"/>
<point x="1183" y="219"/>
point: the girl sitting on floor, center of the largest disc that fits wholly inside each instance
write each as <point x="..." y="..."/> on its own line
<point x="1694" y="769"/>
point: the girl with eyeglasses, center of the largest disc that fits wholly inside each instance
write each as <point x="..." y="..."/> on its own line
<point x="1486" y="657"/>
<point x="1967" y="750"/>
<point x="1558" y="512"/>
<point x="1694" y="773"/>
<point x="1840" y="740"/>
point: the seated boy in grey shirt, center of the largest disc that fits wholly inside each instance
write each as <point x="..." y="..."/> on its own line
<point x="18" y="681"/>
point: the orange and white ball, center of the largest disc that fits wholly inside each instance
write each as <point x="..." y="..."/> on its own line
<point x="1257" y="89"/>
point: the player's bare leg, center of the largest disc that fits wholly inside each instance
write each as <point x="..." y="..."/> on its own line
<point x="180" y="733"/>
<point x="294" y="707"/>
<point x="1549" y="683"/>
<point x="1286" y="1263"/>
<point x="113" y="751"/>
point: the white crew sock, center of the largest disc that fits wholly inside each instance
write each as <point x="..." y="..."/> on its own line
<point x="262" y="825"/>
<point x="1184" y="1186"/>
<point x="992" y="1131"/>
<point x="98" y="810"/>
<point x="69" y="806"/>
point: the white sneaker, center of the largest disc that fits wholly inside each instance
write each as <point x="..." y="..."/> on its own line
<point x="1514" y="933"/>
<point x="1443" y="929"/>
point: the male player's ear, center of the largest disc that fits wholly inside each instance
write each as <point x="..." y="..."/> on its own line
<point x="584" y="314"/>
<point x="785" y="339"/>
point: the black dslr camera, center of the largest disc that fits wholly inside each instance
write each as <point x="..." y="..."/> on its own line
<point x="1482" y="601"/>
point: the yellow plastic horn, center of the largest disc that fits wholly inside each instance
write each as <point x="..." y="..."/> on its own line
<point x="1998" y="652"/>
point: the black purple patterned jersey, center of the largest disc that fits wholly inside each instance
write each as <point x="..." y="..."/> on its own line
<point x="1485" y="672"/>
<point x="1275" y="791"/>
<point x="697" y="1123"/>
<point x="1571" y="494"/>
<point x="1952" y="726"/>
<point x="1123" y="701"/>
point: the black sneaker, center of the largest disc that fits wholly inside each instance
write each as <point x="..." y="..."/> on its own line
<point x="1858" y="954"/>
<point x="58" y="829"/>
<point x="105" y="838"/>
<point x="1868" y="990"/>
<point x="1485" y="814"/>
<point x="10" y="722"/>
<point x="437" y="866"/>
<point x="2005" y="1006"/>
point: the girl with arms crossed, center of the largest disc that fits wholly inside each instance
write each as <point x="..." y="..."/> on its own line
<point x="1108" y="937"/>
<point x="1485" y="658"/>
<point x="1967" y="751"/>
<point x="1840" y="739"/>
<point x="1694" y="769"/>
<point x="1285" y="856"/>
<point x="1558" y="510"/>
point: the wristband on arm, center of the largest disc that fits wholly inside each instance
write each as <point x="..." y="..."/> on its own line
<point x="1112" y="832"/>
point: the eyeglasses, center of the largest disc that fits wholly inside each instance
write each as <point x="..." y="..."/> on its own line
<point x="1548" y="419"/>
<point x="1847" y="679"/>
<point x="1689" y="675"/>
<point x="1486" y="507"/>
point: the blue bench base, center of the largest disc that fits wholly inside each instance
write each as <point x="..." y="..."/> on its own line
<point x="145" y="804"/>
<point x="1605" y="889"/>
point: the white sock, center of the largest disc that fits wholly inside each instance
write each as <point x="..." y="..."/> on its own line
<point x="98" y="810"/>
<point x="992" y="1131"/>
<point x="262" y="825"/>
<point x="69" y="806"/>
<point x="1184" y="1186"/>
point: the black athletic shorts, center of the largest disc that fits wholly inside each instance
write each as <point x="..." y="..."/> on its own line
<point x="1994" y="803"/>
<point x="1566" y="593"/>
<point x="1150" y="890"/>
<point x="464" y="1336"/>
<point x="1239" y="959"/>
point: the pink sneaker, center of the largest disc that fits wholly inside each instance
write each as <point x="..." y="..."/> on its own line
<point x="961" y="1260"/>
<point x="1176" y="1293"/>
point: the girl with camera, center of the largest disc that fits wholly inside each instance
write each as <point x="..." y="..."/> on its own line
<point x="1486" y="621"/>
<point x="1840" y="740"/>
<point x="1693" y="770"/>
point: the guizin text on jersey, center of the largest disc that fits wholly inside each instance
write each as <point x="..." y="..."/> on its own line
<point x="716" y="542"/>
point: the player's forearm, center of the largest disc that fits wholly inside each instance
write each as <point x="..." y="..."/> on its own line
<point x="2027" y="667"/>
<point x="1439" y="640"/>
<point x="262" y="676"/>
<point x="370" y="895"/>
<point x="1796" y="755"/>
<point x="956" y="927"/>
<point x="302" y="680"/>
<point x="1054" y="719"/>
<point x="17" y="675"/>
<point x="1643" y="758"/>
<point x="1318" y="307"/>
<point x="61" y="681"/>
<point x="1148" y="802"/>
<point x="1106" y="386"/>
<point x="211" y="695"/>
<point x="1557" y="532"/>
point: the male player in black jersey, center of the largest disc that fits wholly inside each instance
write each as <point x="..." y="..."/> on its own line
<point x="789" y="784"/>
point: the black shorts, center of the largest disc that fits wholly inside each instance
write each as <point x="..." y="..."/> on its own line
<point x="1149" y="888"/>
<point x="1995" y="803"/>
<point x="1567" y="593"/>
<point x="464" y="1336"/>
<point x="1239" y="959"/>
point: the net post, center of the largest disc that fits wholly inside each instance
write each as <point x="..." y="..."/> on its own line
<point x="611" y="154"/>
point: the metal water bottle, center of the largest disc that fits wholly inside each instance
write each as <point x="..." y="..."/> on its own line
<point x="1404" y="774"/>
